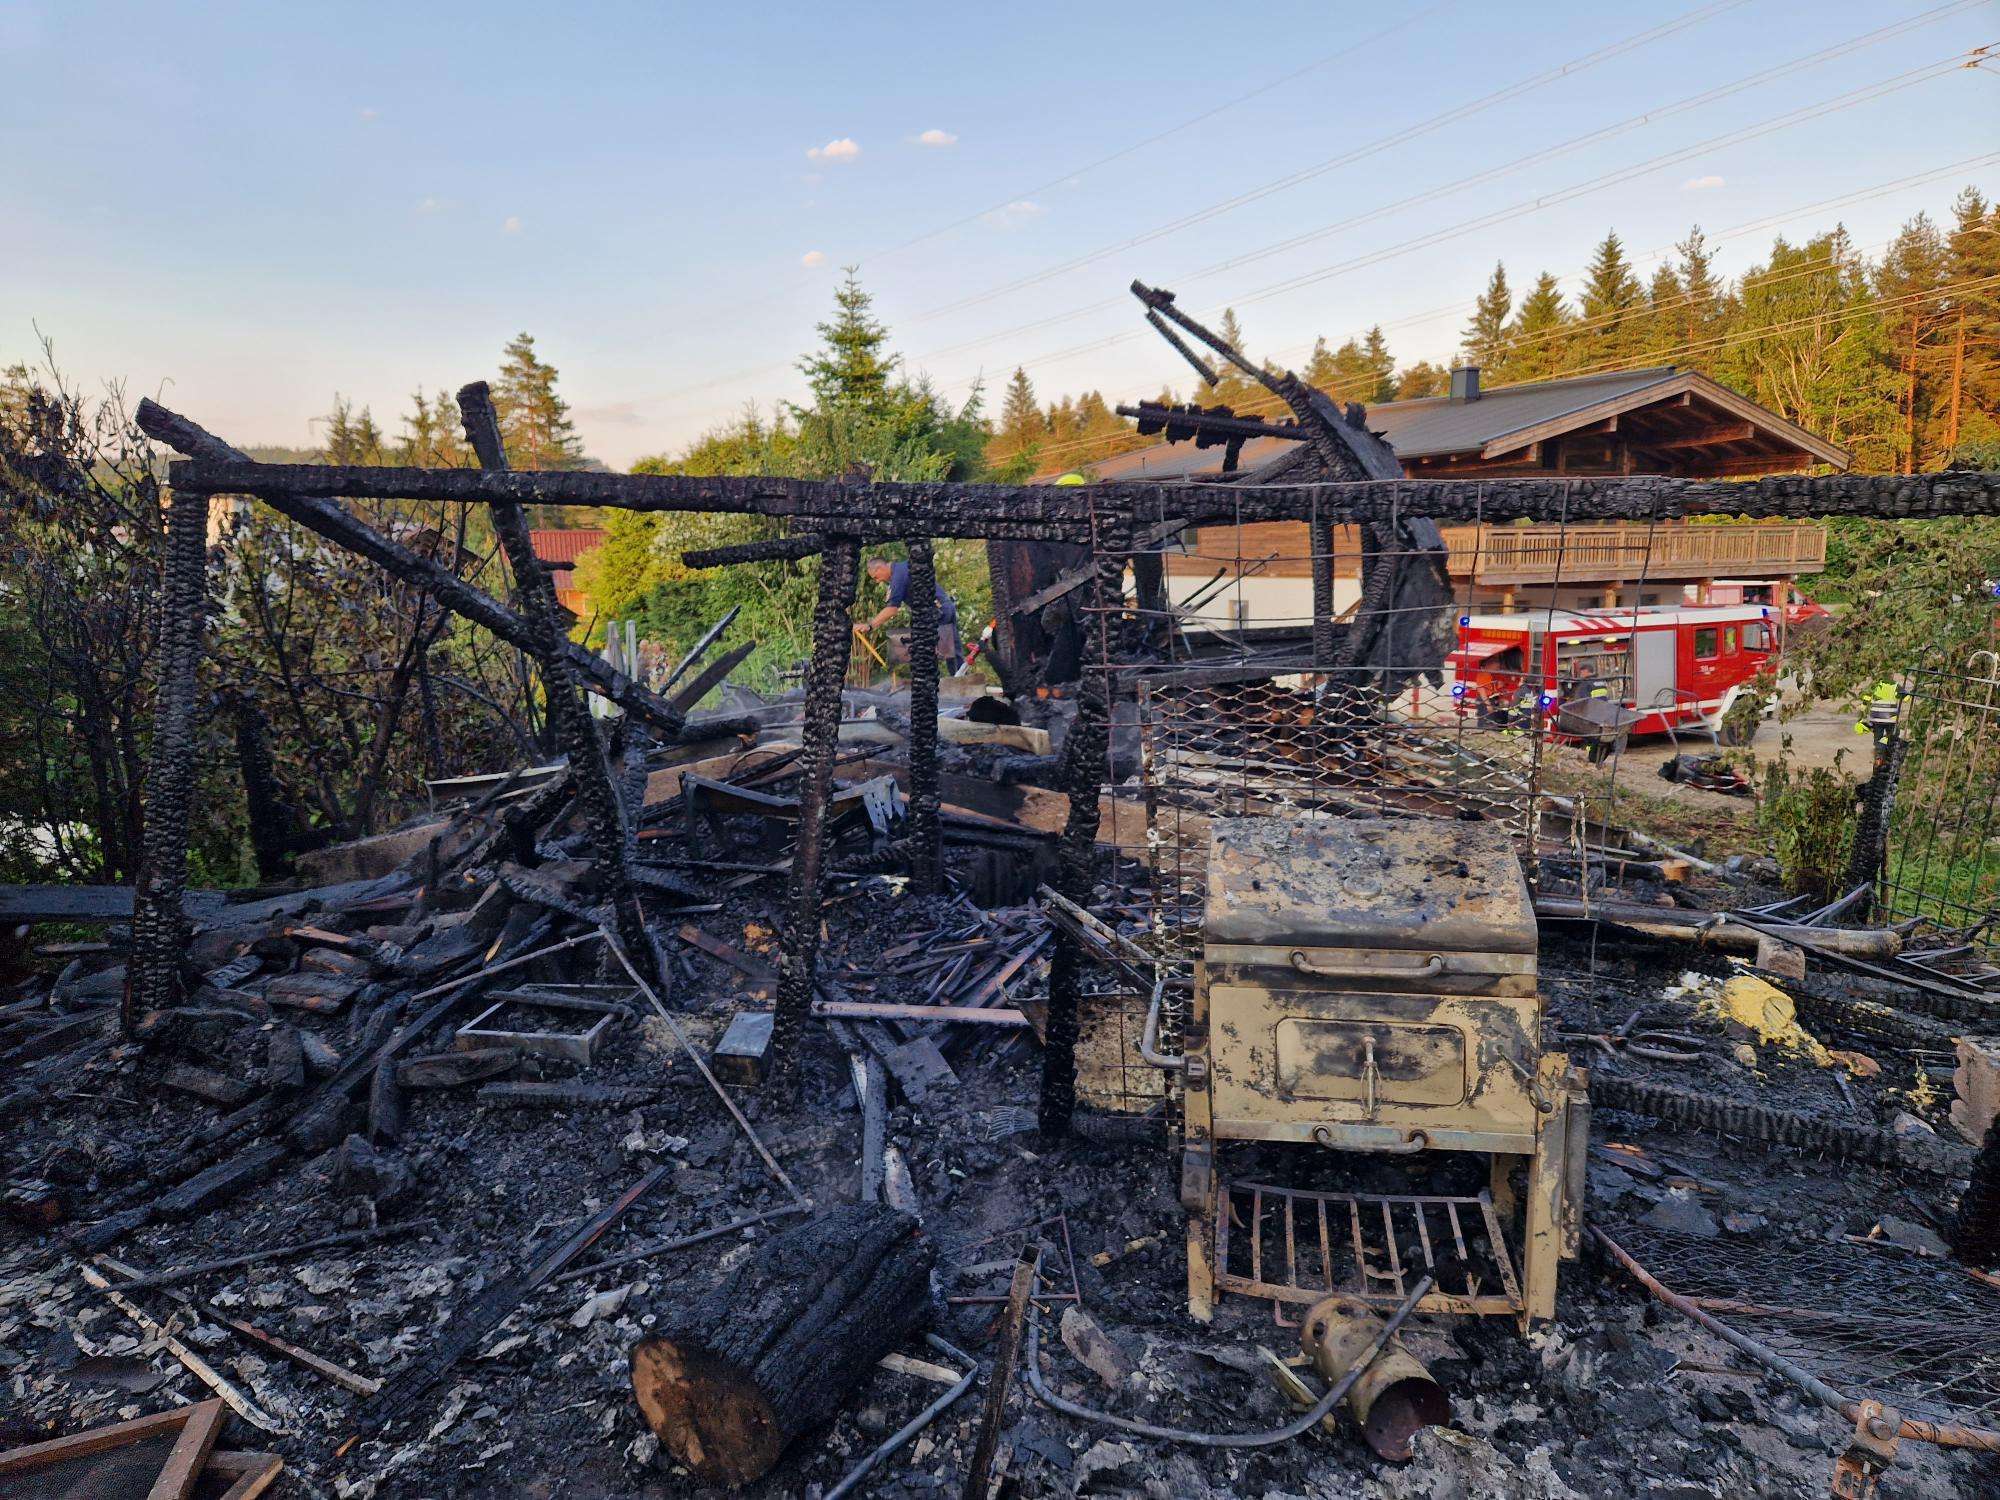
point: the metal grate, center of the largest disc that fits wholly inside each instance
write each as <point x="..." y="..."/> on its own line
<point x="1291" y="1245"/>
<point x="1918" y="1333"/>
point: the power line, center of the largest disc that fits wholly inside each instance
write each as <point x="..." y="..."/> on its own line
<point x="1348" y="158"/>
<point x="1865" y="94"/>
<point x="1422" y="128"/>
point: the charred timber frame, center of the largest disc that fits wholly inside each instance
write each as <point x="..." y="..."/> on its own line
<point x="1063" y="514"/>
<point x="576" y="732"/>
<point x="819" y="735"/>
<point x="833" y="516"/>
<point x="924" y="830"/>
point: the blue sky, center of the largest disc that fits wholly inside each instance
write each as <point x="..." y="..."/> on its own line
<point x="247" y="208"/>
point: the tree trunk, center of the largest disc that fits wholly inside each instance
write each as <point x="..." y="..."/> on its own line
<point x="783" y="1341"/>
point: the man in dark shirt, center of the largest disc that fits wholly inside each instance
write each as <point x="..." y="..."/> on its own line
<point x="896" y="575"/>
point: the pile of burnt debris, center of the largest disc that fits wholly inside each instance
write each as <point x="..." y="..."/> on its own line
<point x="929" y="1092"/>
<point x="440" y="1192"/>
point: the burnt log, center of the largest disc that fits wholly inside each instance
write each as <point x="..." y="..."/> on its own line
<point x="783" y="1341"/>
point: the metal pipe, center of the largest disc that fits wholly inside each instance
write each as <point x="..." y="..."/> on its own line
<point x="1149" y="1034"/>
<point x="916" y="1424"/>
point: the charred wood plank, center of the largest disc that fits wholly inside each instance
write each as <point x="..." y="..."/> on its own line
<point x="771" y="549"/>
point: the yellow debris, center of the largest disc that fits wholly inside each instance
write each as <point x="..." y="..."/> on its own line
<point x="1766" y="1010"/>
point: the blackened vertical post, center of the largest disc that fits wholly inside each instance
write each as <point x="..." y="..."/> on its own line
<point x="159" y="926"/>
<point x="1086" y="756"/>
<point x="923" y="717"/>
<point x="1320" y="540"/>
<point x="576" y="732"/>
<point x="819" y="738"/>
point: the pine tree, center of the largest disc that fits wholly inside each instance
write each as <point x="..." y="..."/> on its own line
<point x="1422" y="379"/>
<point x="1232" y="386"/>
<point x="1538" y="339"/>
<point x="352" y="439"/>
<point x="1486" y="335"/>
<point x="1380" y="367"/>
<point x="851" y="369"/>
<point x="1611" y="302"/>
<point x="534" y="420"/>
<point x="1706" y="307"/>
<point x="1970" y="399"/>
<point x="1320" y="371"/>
<point x="432" y="437"/>
<point x="1810" y="345"/>
<point x="1910" y="282"/>
<point x="1660" y="329"/>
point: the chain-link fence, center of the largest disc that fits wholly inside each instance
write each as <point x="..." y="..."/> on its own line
<point x="1942" y="858"/>
<point x="1308" y="670"/>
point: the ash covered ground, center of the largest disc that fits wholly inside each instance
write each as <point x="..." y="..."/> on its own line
<point x="1619" y="1396"/>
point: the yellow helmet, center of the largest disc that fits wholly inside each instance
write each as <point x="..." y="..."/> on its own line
<point x="1072" y="478"/>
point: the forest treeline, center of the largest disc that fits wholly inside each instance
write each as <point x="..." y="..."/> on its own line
<point x="1895" y="355"/>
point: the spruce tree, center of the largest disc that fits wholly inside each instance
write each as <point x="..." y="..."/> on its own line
<point x="1422" y="379"/>
<point x="1321" y="372"/>
<point x="1537" y="344"/>
<point x="1969" y="400"/>
<point x="1611" y="301"/>
<point x="1660" y="331"/>
<point x="534" y="420"/>
<point x="1232" y="386"/>
<point x="1910" y="282"/>
<point x="1705" y="303"/>
<point x="1380" y="368"/>
<point x="1486" y="335"/>
<point x="851" y="370"/>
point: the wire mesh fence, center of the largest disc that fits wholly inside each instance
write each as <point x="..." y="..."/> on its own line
<point x="1917" y="1333"/>
<point x="1943" y="847"/>
<point x="1313" y="670"/>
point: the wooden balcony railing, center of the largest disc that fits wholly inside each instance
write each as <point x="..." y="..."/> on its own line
<point x="1622" y="552"/>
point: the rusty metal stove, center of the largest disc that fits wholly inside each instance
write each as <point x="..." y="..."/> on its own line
<point x="1369" y="986"/>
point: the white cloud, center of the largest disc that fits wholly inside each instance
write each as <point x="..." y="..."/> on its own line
<point x="369" y="112"/>
<point x="1014" y="215"/>
<point x="430" y="204"/>
<point x="612" y="414"/>
<point x="512" y="224"/>
<point x="813" y="258"/>
<point x="1701" y="184"/>
<point x="937" y="138"/>
<point x="843" y="149"/>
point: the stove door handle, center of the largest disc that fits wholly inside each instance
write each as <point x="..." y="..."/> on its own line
<point x="1430" y="967"/>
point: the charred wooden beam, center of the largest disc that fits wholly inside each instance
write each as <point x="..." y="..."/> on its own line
<point x="819" y="734"/>
<point x="1086" y="757"/>
<point x="159" y="926"/>
<point x="321" y="515"/>
<point x="1217" y="426"/>
<point x="576" y="731"/>
<point x="923" y="717"/>
<point x="771" y="549"/>
<point x="1053" y="513"/>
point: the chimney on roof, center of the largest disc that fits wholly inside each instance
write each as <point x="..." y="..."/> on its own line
<point x="1465" y="383"/>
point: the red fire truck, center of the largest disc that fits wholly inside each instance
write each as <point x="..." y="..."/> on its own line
<point x="1676" y="666"/>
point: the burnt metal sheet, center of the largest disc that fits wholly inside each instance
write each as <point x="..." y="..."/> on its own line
<point x="1360" y="883"/>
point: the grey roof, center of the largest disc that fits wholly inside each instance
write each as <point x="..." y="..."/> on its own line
<point x="1437" y="424"/>
<point x="1503" y="418"/>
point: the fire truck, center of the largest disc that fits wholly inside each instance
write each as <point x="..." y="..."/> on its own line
<point x="1678" y="667"/>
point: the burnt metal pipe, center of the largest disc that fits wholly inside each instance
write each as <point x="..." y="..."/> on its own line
<point x="1335" y="1393"/>
<point x="1394" y="1398"/>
